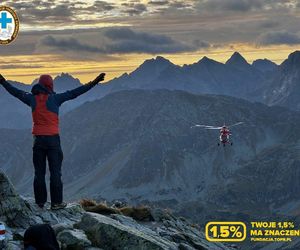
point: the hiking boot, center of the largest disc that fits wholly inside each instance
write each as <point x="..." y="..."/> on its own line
<point x="58" y="206"/>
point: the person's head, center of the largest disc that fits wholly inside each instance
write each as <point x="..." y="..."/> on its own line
<point x="47" y="82"/>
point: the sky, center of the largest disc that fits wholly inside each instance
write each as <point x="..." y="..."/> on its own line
<point x="84" y="38"/>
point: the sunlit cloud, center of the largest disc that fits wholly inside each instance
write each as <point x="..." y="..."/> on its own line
<point x="278" y="37"/>
<point x="79" y="36"/>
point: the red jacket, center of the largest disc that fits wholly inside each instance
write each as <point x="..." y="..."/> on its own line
<point x="45" y="103"/>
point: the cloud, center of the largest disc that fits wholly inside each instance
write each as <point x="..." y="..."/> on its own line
<point x="61" y="11"/>
<point x="125" y="40"/>
<point x="201" y="44"/>
<point x="229" y="5"/>
<point x="49" y="12"/>
<point x="127" y="34"/>
<point x="134" y="8"/>
<point x="45" y="14"/>
<point x="243" y="5"/>
<point x="104" y="6"/>
<point x="20" y="66"/>
<point x="121" y="41"/>
<point x="268" y="24"/>
<point x="180" y="5"/>
<point x="68" y="44"/>
<point x="277" y="38"/>
<point x="182" y="21"/>
<point x="96" y="7"/>
<point x="158" y="2"/>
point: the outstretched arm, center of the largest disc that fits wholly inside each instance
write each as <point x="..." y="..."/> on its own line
<point x="20" y="94"/>
<point x="71" y="94"/>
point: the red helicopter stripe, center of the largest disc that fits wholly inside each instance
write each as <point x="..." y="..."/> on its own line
<point x="2" y="232"/>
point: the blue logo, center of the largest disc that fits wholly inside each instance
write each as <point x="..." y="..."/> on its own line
<point x="4" y="20"/>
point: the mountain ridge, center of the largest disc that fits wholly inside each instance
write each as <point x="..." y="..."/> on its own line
<point x="254" y="82"/>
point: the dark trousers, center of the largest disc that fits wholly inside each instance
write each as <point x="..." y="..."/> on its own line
<point x="47" y="148"/>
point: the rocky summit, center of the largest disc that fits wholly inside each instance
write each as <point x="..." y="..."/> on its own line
<point x="77" y="229"/>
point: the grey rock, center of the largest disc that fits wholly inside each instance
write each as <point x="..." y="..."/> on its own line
<point x="111" y="234"/>
<point x="61" y="227"/>
<point x="160" y="214"/>
<point x="14" y="245"/>
<point x="183" y="246"/>
<point x="13" y="209"/>
<point x="128" y="221"/>
<point x="73" y="240"/>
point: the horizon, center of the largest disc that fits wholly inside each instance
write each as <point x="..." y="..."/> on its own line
<point x="85" y="38"/>
<point x="155" y="57"/>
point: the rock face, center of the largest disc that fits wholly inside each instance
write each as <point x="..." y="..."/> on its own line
<point x="264" y="65"/>
<point x="283" y="88"/>
<point x="78" y="230"/>
<point x="104" y="230"/>
<point x="73" y="239"/>
<point x="12" y="207"/>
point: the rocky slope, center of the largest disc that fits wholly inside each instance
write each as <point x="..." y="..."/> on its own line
<point x="283" y="89"/>
<point x="77" y="229"/>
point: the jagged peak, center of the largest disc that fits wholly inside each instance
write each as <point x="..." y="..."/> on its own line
<point x="155" y="63"/>
<point x="206" y="59"/>
<point x="265" y="60"/>
<point x="294" y="57"/>
<point x="63" y="75"/>
<point x="264" y="65"/>
<point x="35" y="81"/>
<point x="161" y="58"/>
<point x="158" y="59"/>
<point x="236" y="58"/>
<point x="66" y="79"/>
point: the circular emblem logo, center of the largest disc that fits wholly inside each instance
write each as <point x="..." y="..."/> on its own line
<point x="9" y="25"/>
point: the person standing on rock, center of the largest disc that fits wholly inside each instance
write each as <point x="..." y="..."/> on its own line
<point x="45" y="104"/>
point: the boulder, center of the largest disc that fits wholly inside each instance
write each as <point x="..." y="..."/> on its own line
<point x="13" y="209"/>
<point x="73" y="240"/>
<point x="108" y="233"/>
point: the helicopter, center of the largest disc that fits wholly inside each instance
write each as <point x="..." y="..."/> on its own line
<point x="224" y="132"/>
